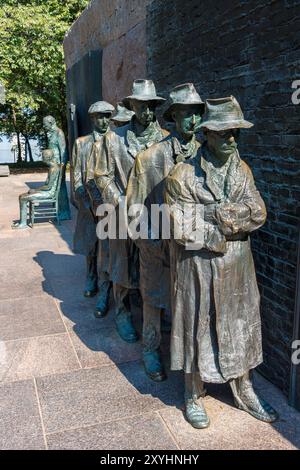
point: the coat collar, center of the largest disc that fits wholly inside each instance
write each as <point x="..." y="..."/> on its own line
<point x="97" y="136"/>
<point x="183" y="150"/>
<point x="150" y="136"/>
<point x="219" y="182"/>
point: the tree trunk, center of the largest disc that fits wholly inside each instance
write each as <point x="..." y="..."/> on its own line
<point x="19" y="160"/>
<point x="26" y="153"/>
<point x="28" y="150"/>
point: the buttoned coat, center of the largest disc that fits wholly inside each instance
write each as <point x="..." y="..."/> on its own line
<point x="216" y="328"/>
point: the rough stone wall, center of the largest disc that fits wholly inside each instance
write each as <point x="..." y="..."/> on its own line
<point x="105" y="50"/>
<point x="250" y="49"/>
<point x="101" y="23"/>
<point x="118" y="28"/>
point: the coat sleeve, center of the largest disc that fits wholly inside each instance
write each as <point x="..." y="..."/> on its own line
<point x="188" y="226"/>
<point x="91" y="187"/>
<point x="245" y="216"/>
<point x="136" y="194"/>
<point x="104" y="173"/>
<point x="77" y="180"/>
<point x="64" y="157"/>
<point x="80" y="193"/>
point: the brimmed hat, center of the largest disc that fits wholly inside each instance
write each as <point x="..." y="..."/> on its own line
<point x="143" y="90"/>
<point x="123" y="114"/>
<point x="224" y="113"/>
<point x="183" y="95"/>
<point x="101" y="107"/>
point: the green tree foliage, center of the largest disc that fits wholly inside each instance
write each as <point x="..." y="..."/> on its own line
<point x="31" y="61"/>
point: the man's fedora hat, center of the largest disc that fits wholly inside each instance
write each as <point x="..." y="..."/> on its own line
<point x="183" y="95"/>
<point x="101" y="107"/>
<point x="222" y="114"/>
<point x="143" y="90"/>
<point x="123" y="114"/>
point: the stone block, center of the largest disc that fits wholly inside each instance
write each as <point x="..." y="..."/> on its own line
<point x="124" y="60"/>
<point x="4" y="170"/>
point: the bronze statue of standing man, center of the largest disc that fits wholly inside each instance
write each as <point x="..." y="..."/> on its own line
<point x="56" y="141"/>
<point x="111" y="175"/>
<point x="88" y="199"/>
<point x="216" y="331"/>
<point x="146" y="187"/>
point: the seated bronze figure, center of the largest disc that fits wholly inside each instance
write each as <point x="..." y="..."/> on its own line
<point x="47" y="191"/>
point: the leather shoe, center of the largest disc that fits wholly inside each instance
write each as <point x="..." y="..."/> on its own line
<point x="125" y="328"/>
<point x="246" y="399"/>
<point x="153" y="366"/>
<point x="196" y="414"/>
<point x="102" y="306"/>
<point x="90" y="293"/>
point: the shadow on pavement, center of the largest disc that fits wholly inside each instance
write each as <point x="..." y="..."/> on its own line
<point x="65" y="273"/>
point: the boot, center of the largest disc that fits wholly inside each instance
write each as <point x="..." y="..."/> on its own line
<point x="153" y="366"/>
<point x="91" y="288"/>
<point x="195" y="412"/>
<point x="246" y="399"/>
<point x="102" y="306"/>
<point x="125" y="327"/>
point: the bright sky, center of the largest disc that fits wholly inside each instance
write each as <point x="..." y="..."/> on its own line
<point x="7" y="156"/>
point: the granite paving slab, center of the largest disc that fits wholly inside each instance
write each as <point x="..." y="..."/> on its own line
<point x="146" y="432"/>
<point x="28" y="317"/>
<point x="36" y="357"/>
<point x="20" y="423"/>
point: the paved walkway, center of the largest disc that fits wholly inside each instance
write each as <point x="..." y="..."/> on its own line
<point x="69" y="382"/>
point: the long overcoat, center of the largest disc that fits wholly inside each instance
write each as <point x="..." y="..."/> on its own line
<point x="146" y="187"/>
<point x="121" y="147"/>
<point x="85" y="237"/>
<point x="216" y="328"/>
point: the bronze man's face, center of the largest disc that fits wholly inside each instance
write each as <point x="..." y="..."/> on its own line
<point x="188" y="120"/>
<point x="144" y="111"/>
<point x="222" y="143"/>
<point x="101" y="121"/>
<point x="48" y="123"/>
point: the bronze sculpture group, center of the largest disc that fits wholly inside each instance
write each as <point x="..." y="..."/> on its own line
<point x="201" y="280"/>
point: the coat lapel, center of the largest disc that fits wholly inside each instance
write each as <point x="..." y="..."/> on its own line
<point x="222" y="188"/>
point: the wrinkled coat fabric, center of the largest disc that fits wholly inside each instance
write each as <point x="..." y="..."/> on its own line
<point x="216" y="327"/>
<point x="111" y="175"/>
<point x="146" y="186"/>
<point x="85" y="237"/>
<point x="95" y="200"/>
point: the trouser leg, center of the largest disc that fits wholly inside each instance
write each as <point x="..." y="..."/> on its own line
<point x="121" y="297"/>
<point x="104" y="286"/>
<point x="23" y="202"/>
<point x="194" y="407"/>
<point x="248" y="400"/>
<point x="166" y="322"/>
<point x="194" y="386"/>
<point x="123" y="316"/>
<point x="91" y="275"/>
<point x="151" y="343"/>
<point x="151" y="328"/>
